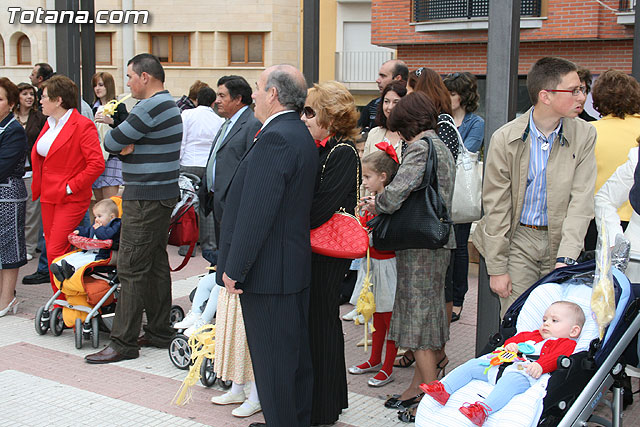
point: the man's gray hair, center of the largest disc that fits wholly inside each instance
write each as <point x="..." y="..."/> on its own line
<point x="291" y="88"/>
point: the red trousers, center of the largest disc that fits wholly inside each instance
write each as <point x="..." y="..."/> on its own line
<point x="58" y="220"/>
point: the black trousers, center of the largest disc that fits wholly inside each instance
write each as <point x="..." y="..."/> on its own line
<point x="143" y="268"/>
<point x="276" y="327"/>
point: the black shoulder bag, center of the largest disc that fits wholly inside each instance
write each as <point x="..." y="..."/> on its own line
<point x="422" y="222"/>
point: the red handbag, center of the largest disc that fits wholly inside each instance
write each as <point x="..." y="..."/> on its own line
<point x="184" y="230"/>
<point x="342" y="236"/>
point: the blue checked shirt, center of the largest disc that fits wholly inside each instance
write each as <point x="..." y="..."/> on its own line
<point x="534" y="208"/>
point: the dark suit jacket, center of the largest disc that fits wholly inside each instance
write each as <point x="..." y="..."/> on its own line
<point x="264" y="242"/>
<point x="231" y="151"/>
<point x="74" y="159"/>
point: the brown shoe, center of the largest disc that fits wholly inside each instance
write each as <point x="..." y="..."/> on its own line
<point x="107" y="355"/>
<point x="143" y="341"/>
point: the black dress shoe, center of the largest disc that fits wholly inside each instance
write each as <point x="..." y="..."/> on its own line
<point x="257" y="424"/>
<point x="107" y="355"/>
<point x="36" y="278"/>
<point x="57" y="272"/>
<point x="67" y="269"/>
<point x="143" y="341"/>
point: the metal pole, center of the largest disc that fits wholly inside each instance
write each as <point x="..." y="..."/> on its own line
<point x="88" y="33"/>
<point x="635" y="64"/>
<point x="311" y="41"/>
<point x="501" y="102"/>
<point x="68" y="43"/>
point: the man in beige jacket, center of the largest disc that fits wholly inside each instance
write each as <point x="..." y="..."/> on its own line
<point x="538" y="185"/>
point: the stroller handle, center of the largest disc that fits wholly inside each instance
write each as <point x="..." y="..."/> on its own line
<point x="194" y="178"/>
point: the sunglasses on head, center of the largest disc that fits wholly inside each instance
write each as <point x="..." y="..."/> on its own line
<point x="308" y="112"/>
<point x="419" y="71"/>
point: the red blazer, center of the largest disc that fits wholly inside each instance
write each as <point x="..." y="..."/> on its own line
<point x="551" y="350"/>
<point x="74" y="159"/>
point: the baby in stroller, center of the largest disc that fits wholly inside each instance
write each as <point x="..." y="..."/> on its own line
<point x="106" y="227"/>
<point x="561" y="326"/>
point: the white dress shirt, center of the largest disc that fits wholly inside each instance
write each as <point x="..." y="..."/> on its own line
<point x="46" y="141"/>
<point x="199" y="127"/>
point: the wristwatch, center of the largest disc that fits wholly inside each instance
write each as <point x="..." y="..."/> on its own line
<point x="566" y="260"/>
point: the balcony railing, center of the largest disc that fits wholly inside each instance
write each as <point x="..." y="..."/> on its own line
<point x="626" y="5"/>
<point x="360" y="66"/>
<point x="427" y="10"/>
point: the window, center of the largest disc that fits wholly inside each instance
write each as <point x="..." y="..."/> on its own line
<point x="103" y="49"/>
<point x="171" y="48"/>
<point x="246" y="49"/>
<point x="1" y="51"/>
<point x="24" y="50"/>
<point x="426" y="10"/>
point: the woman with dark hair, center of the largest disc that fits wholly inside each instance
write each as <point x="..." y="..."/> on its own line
<point x="13" y="194"/>
<point x="331" y="117"/>
<point x="418" y="321"/>
<point x="66" y="161"/>
<point x="104" y="89"/>
<point x="463" y="88"/>
<point x="32" y="120"/>
<point x="430" y="83"/>
<point x="616" y="96"/>
<point x="391" y="94"/>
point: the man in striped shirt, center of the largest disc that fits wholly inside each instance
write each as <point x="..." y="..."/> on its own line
<point x="538" y="186"/>
<point x="148" y="143"/>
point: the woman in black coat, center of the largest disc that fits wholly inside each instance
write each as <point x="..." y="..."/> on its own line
<point x="330" y="114"/>
<point x="13" y="196"/>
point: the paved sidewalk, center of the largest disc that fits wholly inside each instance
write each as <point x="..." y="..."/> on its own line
<point x="45" y="380"/>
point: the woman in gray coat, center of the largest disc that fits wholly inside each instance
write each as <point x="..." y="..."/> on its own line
<point x="418" y="321"/>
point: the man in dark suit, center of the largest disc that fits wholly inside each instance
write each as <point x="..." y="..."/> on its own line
<point x="232" y="141"/>
<point x="264" y="248"/>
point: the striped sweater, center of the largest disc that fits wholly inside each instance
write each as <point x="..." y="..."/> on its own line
<point x="155" y="127"/>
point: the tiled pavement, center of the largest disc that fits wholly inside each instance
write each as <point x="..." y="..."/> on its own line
<point x="46" y="382"/>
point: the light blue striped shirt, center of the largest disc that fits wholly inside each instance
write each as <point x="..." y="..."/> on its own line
<point x="534" y="208"/>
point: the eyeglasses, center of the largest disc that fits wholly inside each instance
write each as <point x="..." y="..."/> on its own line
<point x="575" y="92"/>
<point x="308" y="112"/>
<point x="419" y="71"/>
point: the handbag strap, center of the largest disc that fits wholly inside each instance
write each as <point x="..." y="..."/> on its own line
<point x="324" y="165"/>
<point x="461" y="147"/>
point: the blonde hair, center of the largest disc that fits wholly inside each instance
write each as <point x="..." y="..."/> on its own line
<point x="107" y="206"/>
<point x="574" y="310"/>
<point x="335" y="108"/>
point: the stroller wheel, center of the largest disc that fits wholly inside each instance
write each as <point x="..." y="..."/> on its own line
<point x="42" y="321"/>
<point x="77" y="332"/>
<point x="56" y="321"/>
<point x="180" y="352"/>
<point x="176" y="314"/>
<point x="207" y="376"/>
<point x="225" y="384"/>
<point x="95" y="332"/>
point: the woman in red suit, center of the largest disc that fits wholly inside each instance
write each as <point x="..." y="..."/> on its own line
<point x="66" y="160"/>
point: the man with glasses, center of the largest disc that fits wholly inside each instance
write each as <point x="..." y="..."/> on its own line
<point x="539" y="181"/>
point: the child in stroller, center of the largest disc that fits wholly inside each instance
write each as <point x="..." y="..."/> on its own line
<point x="561" y="326"/>
<point x="106" y="227"/>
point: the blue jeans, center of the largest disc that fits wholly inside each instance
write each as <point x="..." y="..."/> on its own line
<point x="508" y="386"/>
<point x="208" y="291"/>
<point x="460" y="263"/>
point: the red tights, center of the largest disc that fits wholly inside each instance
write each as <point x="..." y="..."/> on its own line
<point x="381" y="322"/>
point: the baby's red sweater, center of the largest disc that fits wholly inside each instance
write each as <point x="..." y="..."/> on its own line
<point x="551" y="350"/>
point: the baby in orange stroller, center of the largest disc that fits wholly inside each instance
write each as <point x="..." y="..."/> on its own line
<point x="86" y="277"/>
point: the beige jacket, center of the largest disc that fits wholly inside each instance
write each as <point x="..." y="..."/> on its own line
<point x="571" y="175"/>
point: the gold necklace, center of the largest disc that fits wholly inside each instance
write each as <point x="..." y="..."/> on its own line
<point x="24" y="124"/>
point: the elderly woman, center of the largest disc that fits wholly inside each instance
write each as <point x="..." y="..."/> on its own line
<point x="66" y="160"/>
<point x="13" y="194"/>
<point x="330" y="114"/>
<point x="32" y="120"/>
<point x="418" y="321"/>
<point x="616" y="96"/>
<point x="463" y="88"/>
<point x="104" y="88"/>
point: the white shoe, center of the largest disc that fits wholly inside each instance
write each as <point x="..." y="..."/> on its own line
<point x="13" y="306"/>
<point x="355" y="370"/>
<point x="29" y="257"/>
<point x="247" y="409"/>
<point x="228" y="398"/>
<point x="373" y="382"/>
<point x="188" y="320"/>
<point x="360" y="319"/>
<point x="350" y="315"/>
<point x="191" y="329"/>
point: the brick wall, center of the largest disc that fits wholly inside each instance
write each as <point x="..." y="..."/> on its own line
<point x="564" y="20"/>
<point x="597" y="55"/>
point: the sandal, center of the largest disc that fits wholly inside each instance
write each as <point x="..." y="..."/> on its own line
<point x="408" y="415"/>
<point x="407" y="360"/>
<point x="440" y="367"/>
<point x="396" y="403"/>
